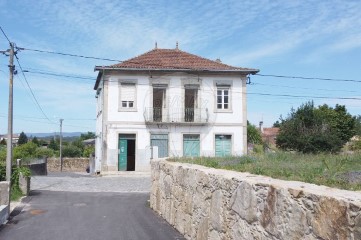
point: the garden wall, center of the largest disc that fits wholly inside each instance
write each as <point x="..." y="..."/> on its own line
<point x="4" y="201"/>
<point x="69" y="164"/>
<point x="206" y="203"/>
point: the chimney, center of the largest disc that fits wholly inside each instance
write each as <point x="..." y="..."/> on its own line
<point x="261" y="126"/>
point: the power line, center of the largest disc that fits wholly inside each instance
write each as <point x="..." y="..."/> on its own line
<point x="69" y="54"/>
<point x="61" y="75"/>
<point x="304" y="96"/>
<point x="4" y="34"/>
<point x="285" y="86"/>
<point x="31" y="91"/>
<point x="308" y="78"/>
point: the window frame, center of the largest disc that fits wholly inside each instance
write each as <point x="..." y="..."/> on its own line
<point x="121" y="102"/>
<point x="223" y="88"/>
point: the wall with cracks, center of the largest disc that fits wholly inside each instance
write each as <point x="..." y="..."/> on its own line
<point x="206" y="203"/>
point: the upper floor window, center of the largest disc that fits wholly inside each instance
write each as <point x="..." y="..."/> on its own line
<point x="127" y="96"/>
<point x="223" y="97"/>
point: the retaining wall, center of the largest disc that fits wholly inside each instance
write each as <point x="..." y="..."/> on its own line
<point x="69" y="164"/>
<point x="206" y="203"/>
<point x="4" y="201"/>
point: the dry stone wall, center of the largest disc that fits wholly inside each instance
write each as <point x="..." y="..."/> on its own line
<point x="69" y="164"/>
<point x="206" y="203"/>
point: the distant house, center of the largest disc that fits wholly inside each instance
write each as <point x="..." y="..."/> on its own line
<point x="269" y="135"/>
<point x="168" y="100"/>
<point x="89" y="142"/>
<point x="15" y="138"/>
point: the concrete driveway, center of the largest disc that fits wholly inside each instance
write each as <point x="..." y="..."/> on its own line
<point x="72" y="206"/>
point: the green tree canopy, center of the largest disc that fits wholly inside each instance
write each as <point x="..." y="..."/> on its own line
<point x="3" y="142"/>
<point x="53" y="145"/>
<point x="88" y="135"/>
<point x="253" y="134"/>
<point x="312" y="130"/>
<point x="22" y="138"/>
<point x="36" y="141"/>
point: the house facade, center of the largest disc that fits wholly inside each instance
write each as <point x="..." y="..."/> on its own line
<point x="168" y="103"/>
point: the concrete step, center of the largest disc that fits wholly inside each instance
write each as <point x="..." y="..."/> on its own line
<point x="125" y="174"/>
<point x="3" y="214"/>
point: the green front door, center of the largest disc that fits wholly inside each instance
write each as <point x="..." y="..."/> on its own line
<point x="123" y="150"/>
<point x="223" y="145"/>
<point x="191" y="146"/>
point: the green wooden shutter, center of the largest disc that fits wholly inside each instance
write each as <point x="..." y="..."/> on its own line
<point x="223" y="145"/>
<point x="161" y="141"/>
<point x="191" y="145"/>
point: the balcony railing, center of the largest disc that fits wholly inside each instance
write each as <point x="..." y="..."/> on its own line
<point x="176" y="115"/>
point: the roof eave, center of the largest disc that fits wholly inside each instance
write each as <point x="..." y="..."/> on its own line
<point x="251" y="71"/>
<point x="102" y="68"/>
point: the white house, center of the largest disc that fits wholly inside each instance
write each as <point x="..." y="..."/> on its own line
<point x="172" y="102"/>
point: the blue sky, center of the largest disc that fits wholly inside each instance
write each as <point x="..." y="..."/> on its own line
<point x="293" y="38"/>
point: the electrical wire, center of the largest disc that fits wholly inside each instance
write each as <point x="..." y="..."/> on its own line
<point x="69" y="54"/>
<point x="31" y="91"/>
<point x="308" y="78"/>
<point x="5" y="34"/>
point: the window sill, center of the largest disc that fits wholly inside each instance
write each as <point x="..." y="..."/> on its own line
<point x="223" y="111"/>
<point x="127" y="110"/>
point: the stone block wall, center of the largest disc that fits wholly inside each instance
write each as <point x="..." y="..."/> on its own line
<point x="206" y="203"/>
<point x="69" y="164"/>
<point x="4" y="193"/>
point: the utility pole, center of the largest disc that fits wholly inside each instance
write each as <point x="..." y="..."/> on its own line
<point x="9" y="147"/>
<point x="60" y="148"/>
<point x="9" y="152"/>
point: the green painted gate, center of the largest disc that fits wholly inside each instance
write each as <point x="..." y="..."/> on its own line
<point x="161" y="141"/>
<point x="123" y="150"/>
<point x="191" y="145"/>
<point x="223" y="145"/>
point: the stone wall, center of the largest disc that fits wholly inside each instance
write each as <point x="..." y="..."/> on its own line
<point x="4" y="193"/>
<point x="69" y="164"/>
<point x="206" y="203"/>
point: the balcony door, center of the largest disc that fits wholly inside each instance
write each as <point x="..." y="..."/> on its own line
<point x="190" y="102"/>
<point x="159" y="100"/>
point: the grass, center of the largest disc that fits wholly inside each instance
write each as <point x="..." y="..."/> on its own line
<point x="321" y="169"/>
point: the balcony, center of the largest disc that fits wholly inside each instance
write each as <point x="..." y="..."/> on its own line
<point x="192" y="116"/>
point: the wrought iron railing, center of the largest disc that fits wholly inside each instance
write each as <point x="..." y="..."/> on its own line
<point x="176" y="115"/>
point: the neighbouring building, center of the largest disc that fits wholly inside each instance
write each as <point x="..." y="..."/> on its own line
<point x="269" y="135"/>
<point x="15" y="138"/>
<point x="167" y="102"/>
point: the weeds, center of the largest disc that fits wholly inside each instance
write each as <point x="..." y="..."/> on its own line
<point x="322" y="169"/>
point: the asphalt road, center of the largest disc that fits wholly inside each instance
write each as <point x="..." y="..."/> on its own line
<point x="59" y="215"/>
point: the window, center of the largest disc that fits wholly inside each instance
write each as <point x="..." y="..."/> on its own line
<point x="127" y="96"/>
<point x="223" y="97"/>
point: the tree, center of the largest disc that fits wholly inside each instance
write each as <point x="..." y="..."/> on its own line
<point x="24" y="151"/>
<point x="36" y="141"/>
<point x="3" y="142"/>
<point x="253" y="134"/>
<point x="71" y="151"/>
<point x="358" y="125"/>
<point x="22" y="138"/>
<point x="88" y="135"/>
<point x="276" y="124"/>
<point x="53" y="145"/>
<point x="313" y="130"/>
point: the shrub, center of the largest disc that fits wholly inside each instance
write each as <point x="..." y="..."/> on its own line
<point x="71" y="151"/>
<point x="44" y="152"/>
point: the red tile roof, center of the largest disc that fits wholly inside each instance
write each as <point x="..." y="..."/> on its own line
<point x="175" y="59"/>
<point x="172" y="59"/>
